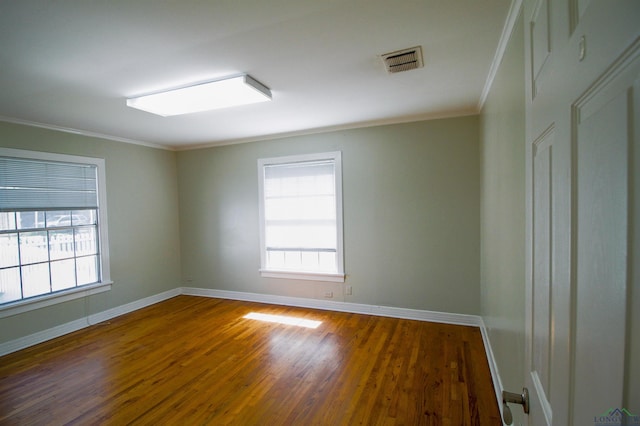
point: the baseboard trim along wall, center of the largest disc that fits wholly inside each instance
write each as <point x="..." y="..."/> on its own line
<point x="493" y="366"/>
<point x="385" y="311"/>
<point x="89" y="320"/>
<point x="329" y="305"/>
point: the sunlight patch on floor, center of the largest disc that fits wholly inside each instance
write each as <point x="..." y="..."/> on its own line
<point x="282" y="319"/>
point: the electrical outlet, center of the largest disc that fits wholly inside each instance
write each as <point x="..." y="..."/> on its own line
<point x="348" y="290"/>
<point x="328" y="294"/>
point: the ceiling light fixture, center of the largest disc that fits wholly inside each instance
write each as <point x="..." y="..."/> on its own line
<point x="223" y="93"/>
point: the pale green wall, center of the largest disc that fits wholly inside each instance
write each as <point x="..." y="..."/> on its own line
<point x="502" y="213"/>
<point x="411" y="215"/>
<point x="411" y="209"/>
<point x="142" y="203"/>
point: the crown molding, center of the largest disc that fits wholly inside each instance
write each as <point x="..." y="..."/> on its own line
<point x="507" y="31"/>
<point x="87" y="133"/>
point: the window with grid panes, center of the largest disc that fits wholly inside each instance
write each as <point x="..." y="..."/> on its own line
<point x="52" y="238"/>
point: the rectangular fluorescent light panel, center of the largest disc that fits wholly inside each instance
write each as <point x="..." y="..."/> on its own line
<point x="229" y="92"/>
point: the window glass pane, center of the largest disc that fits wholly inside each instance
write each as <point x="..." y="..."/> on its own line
<point x="327" y="261"/>
<point x="33" y="247"/>
<point x="275" y="259"/>
<point x="9" y="250"/>
<point x="293" y="260"/>
<point x="61" y="244"/>
<point x="10" y="285"/>
<point x="30" y="220"/>
<point x="35" y="279"/>
<point x="309" y="260"/>
<point x="63" y="274"/>
<point x="7" y="221"/>
<point x="58" y="218"/>
<point x="87" y="269"/>
<point x="84" y="217"/>
<point x="86" y="240"/>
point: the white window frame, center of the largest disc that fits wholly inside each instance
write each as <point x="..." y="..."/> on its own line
<point x="37" y="302"/>
<point x="335" y="156"/>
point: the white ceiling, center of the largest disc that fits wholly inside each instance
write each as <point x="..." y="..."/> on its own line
<point x="71" y="64"/>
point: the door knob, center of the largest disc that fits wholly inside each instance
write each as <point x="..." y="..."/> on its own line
<point x="514" y="398"/>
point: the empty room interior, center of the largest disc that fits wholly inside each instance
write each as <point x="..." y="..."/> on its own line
<point x="411" y="212"/>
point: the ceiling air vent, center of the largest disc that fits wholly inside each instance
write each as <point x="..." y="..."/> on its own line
<point x="403" y="60"/>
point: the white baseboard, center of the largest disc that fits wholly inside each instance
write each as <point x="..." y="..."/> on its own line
<point x="330" y="305"/>
<point x="42" y="336"/>
<point x="70" y="327"/>
<point x="133" y="306"/>
<point x="493" y="366"/>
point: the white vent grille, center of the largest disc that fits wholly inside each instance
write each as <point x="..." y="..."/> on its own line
<point x="403" y="60"/>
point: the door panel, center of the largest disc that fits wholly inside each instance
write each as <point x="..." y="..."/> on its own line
<point x="542" y="277"/>
<point x="581" y="176"/>
<point x="540" y="28"/>
<point x="602" y="141"/>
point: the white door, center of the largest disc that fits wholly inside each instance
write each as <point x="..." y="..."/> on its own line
<point x="583" y="109"/>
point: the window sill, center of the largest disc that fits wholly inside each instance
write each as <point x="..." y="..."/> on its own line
<point x="310" y="276"/>
<point x="20" y="306"/>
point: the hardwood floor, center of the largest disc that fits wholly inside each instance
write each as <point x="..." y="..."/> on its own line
<point x="193" y="360"/>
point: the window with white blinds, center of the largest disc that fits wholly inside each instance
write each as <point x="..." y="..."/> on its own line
<point x="301" y="216"/>
<point x="37" y="184"/>
<point x="52" y="237"/>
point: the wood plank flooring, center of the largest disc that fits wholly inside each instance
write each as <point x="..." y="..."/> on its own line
<point x="197" y="361"/>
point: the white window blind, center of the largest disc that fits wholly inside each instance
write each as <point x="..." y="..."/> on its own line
<point x="301" y="217"/>
<point x="300" y="210"/>
<point x="33" y="184"/>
